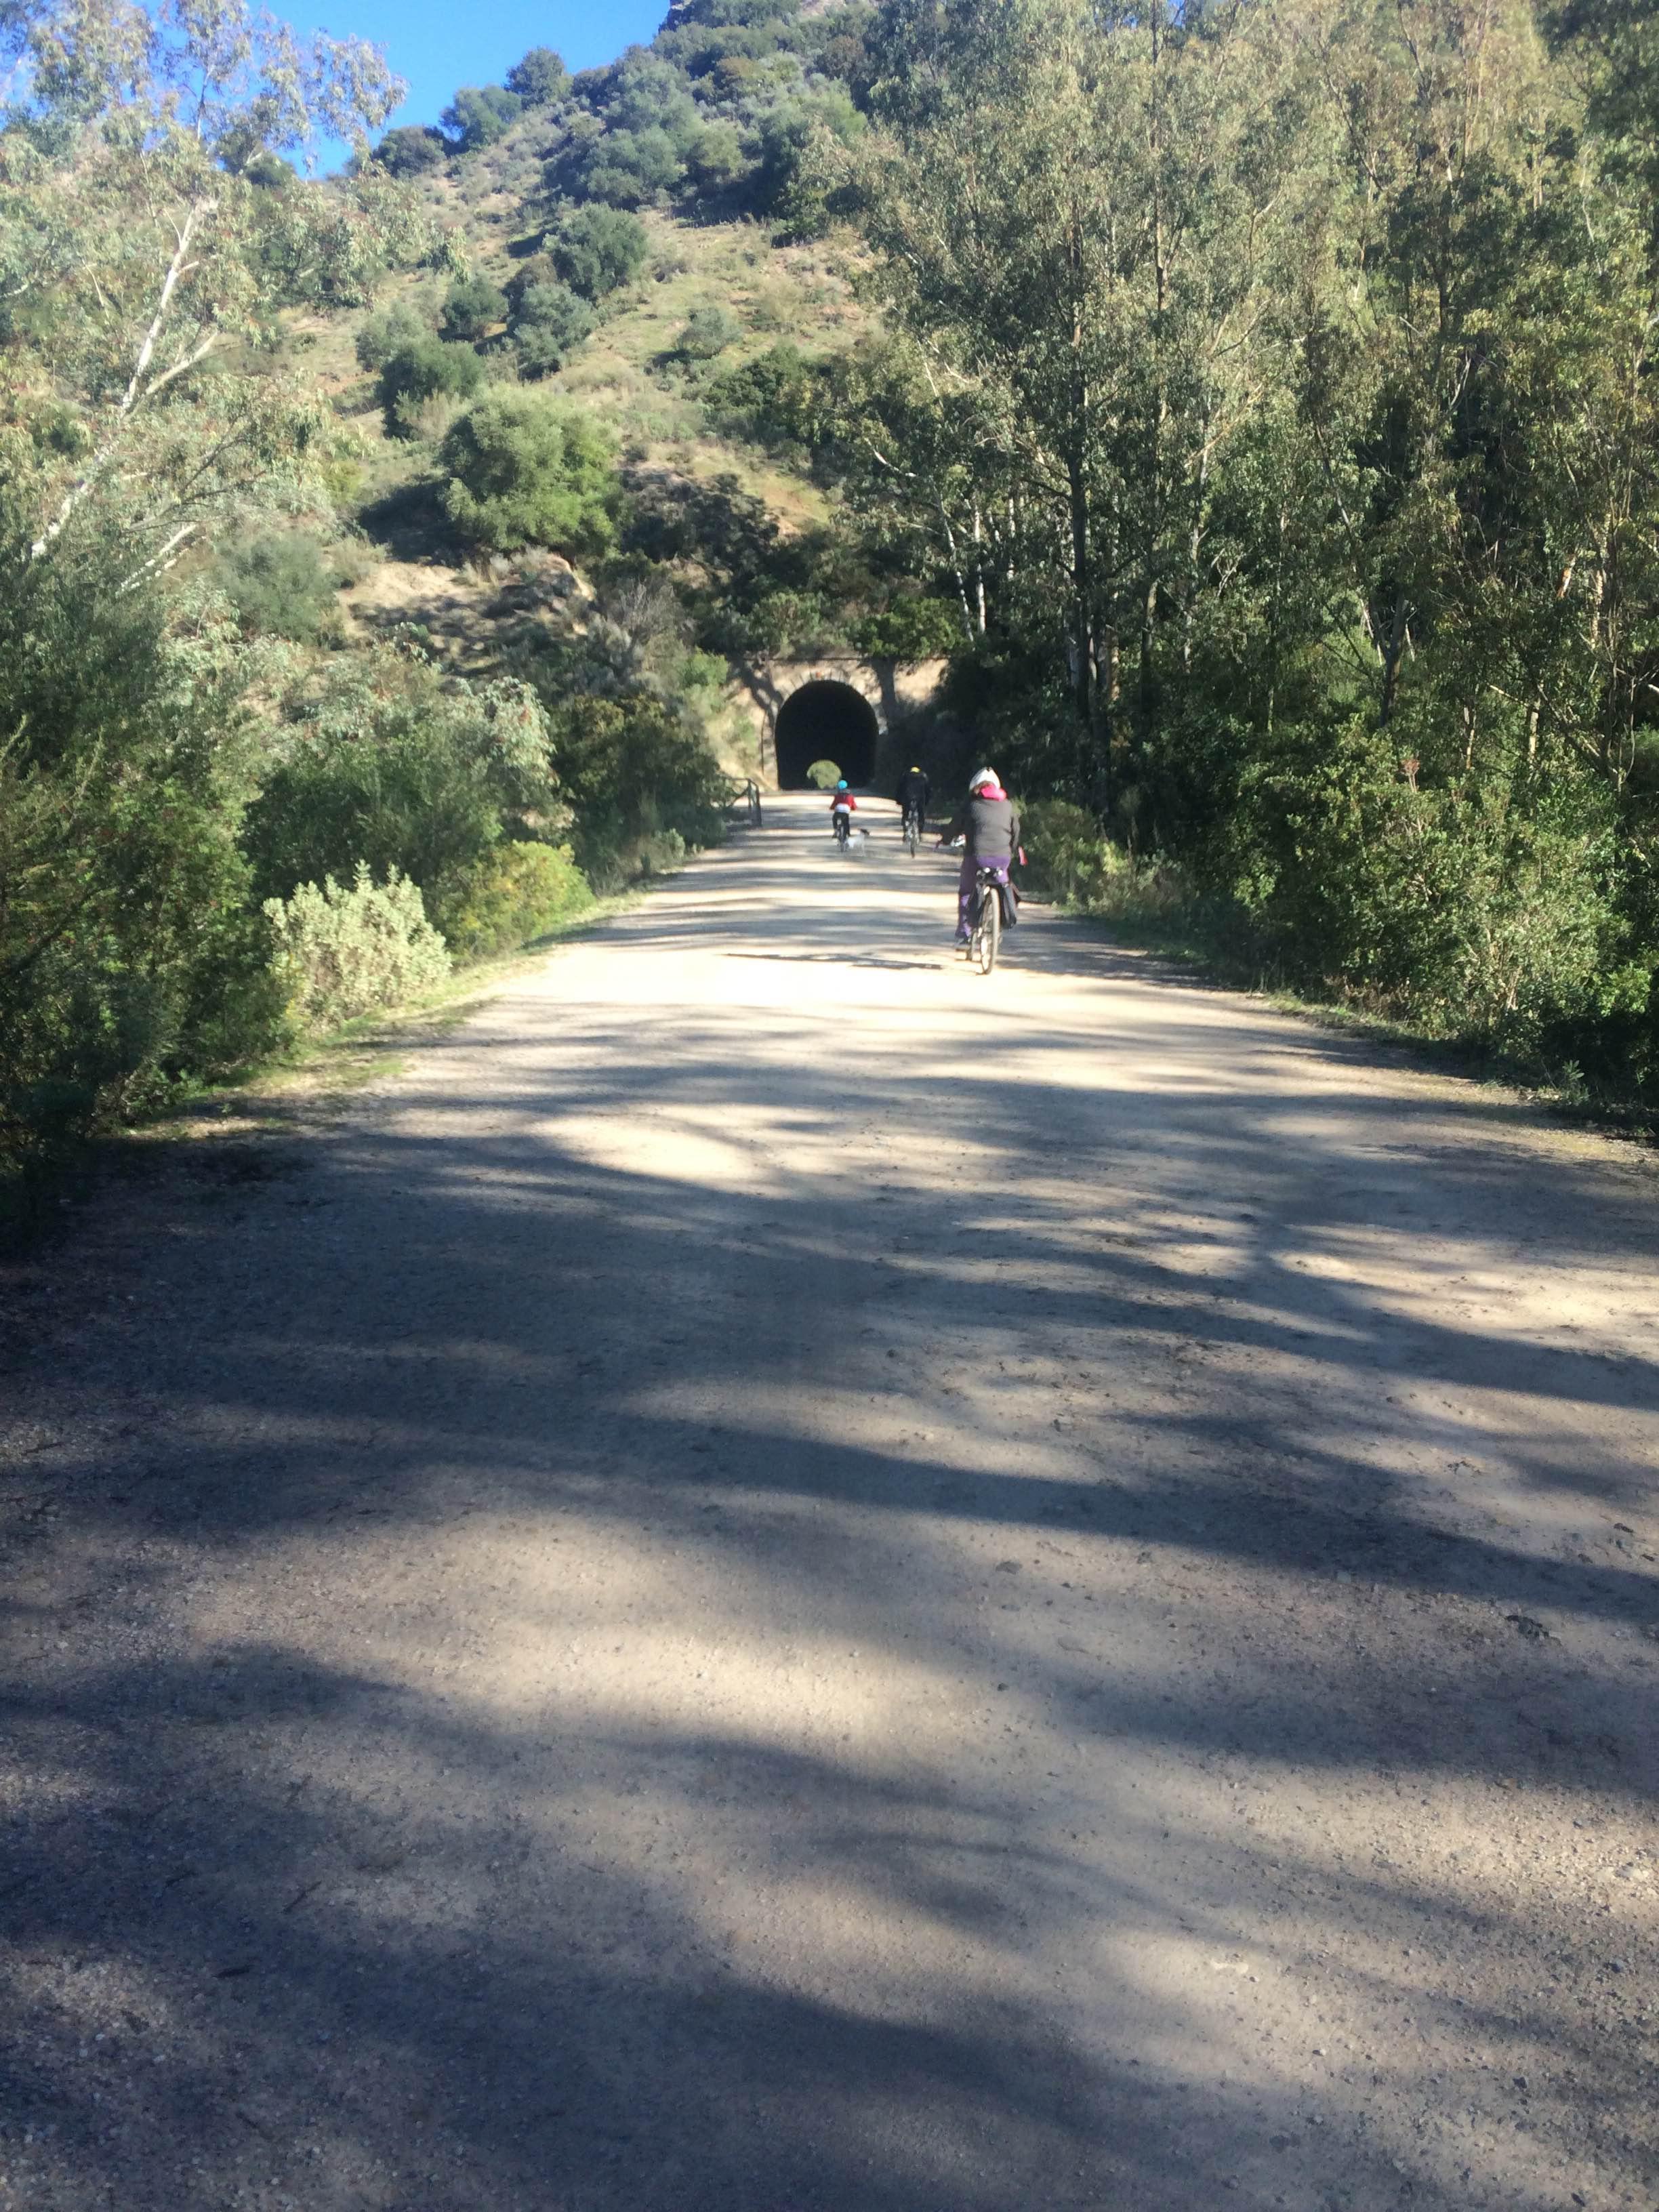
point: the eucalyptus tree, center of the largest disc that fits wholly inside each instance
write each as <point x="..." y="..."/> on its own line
<point x="153" y="237"/>
<point x="1077" y="212"/>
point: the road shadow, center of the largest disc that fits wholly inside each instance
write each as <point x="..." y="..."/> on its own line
<point x="542" y="1437"/>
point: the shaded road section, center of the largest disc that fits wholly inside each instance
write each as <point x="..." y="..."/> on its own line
<point x="785" y="1579"/>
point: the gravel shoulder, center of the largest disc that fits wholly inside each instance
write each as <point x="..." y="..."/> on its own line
<point x="783" y="1579"/>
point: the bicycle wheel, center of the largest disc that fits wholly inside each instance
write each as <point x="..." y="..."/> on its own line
<point x="990" y="929"/>
<point x="912" y="840"/>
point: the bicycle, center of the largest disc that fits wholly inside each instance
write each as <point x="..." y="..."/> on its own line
<point x="983" y="945"/>
<point x="912" y="832"/>
<point x="843" y="825"/>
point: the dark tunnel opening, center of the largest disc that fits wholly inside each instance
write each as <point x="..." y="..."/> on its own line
<point x="826" y="721"/>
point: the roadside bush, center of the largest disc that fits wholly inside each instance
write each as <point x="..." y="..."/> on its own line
<point x="633" y="771"/>
<point x="338" y="952"/>
<point x="598" y="250"/>
<point x="824" y="775"/>
<point x="1467" y="912"/>
<point x="131" y="960"/>
<point x="524" y="471"/>
<point x="1072" y="861"/>
<point x="1069" y="857"/>
<point x="472" y="307"/>
<point x="280" y="585"/>
<point x="660" y="853"/>
<point x="393" y="765"/>
<point x="517" y="891"/>
<point x="420" y="372"/>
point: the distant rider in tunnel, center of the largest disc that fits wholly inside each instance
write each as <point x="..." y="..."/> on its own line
<point x="989" y="821"/>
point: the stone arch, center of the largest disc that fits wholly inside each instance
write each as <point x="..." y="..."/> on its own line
<point x="760" y="691"/>
<point x="825" y="719"/>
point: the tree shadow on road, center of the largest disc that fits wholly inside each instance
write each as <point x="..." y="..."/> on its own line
<point x="538" y="1449"/>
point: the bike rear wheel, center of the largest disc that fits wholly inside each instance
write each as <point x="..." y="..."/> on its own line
<point x="989" y="933"/>
<point x="912" y="836"/>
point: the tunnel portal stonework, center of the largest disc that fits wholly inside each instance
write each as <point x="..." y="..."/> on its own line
<point x="760" y="689"/>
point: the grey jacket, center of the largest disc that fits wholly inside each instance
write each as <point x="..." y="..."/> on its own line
<point x="991" y="827"/>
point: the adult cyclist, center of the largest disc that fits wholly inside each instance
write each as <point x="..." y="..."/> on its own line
<point x="913" y="794"/>
<point x="988" y="822"/>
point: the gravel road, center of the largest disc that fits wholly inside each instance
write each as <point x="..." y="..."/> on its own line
<point x="784" y="1579"/>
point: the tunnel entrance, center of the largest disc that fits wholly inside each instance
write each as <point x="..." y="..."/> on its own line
<point x="826" y="721"/>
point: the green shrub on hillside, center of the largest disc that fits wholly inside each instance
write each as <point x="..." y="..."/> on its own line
<point x="707" y="332"/>
<point x="598" y="250"/>
<point x="422" y="370"/>
<point x="793" y="184"/>
<point x="471" y="306"/>
<point x="387" y="332"/>
<point x="919" y="629"/>
<point x="411" y="151"/>
<point x="279" y="584"/>
<point x="778" y="399"/>
<point x="341" y="951"/>
<point x="548" y="323"/>
<point x="524" y="470"/>
<point x="479" y="115"/>
<point x="540" y="78"/>
<point x="517" y="892"/>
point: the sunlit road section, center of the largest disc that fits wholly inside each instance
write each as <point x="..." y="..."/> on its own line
<point x="784" y="1578"/>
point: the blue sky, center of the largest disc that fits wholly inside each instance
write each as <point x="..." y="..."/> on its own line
<point x="438" y="46"/>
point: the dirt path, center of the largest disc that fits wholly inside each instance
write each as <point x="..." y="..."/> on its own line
<point x="784" y="1578"/>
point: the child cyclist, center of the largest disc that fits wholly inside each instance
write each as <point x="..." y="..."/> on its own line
<point x="843" y="807"/>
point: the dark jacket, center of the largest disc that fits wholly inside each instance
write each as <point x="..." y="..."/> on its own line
<point x="991" y="827"/>
<point x="914" y="790"/>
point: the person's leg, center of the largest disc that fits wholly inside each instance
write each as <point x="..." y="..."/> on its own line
<point x="967" y="898"/>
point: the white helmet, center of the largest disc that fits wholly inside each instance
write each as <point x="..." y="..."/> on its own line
<point x="982" y="776"/>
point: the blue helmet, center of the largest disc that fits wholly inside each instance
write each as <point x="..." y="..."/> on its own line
<point x="841" y="786"/>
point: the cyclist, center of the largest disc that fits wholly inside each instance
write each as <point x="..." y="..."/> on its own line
<point x="913" y="794"/>
<point x="843" y="807"/>
<point x="988" y="821"/>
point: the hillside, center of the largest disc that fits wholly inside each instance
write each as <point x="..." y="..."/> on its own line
<point x="628" y="374"/>
<point x="725" y="253"/>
